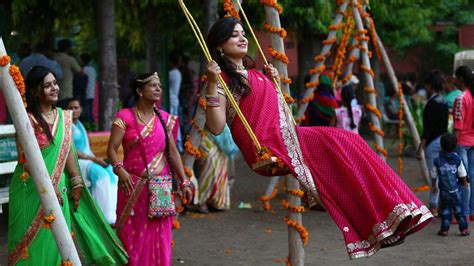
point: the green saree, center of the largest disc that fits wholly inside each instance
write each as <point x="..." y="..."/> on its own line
<point x="30" y="241"/>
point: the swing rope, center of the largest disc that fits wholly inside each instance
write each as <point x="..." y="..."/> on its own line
<point x="207" y="54"/>
<point x="277" y="84"/>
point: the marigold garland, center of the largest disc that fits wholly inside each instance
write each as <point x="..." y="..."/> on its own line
<point x="48" y="220"/>
<point x="191" y="149"/>
<point x="370" y="90"/>
<point x="24" y="176"/>
<point x="319" y="58"/>
<point x="421" y="188"/>
<point x="330" y="41"/>
<point x="317" y="70"/>
<point x="335" y="27"/>
<point x="341" y="49"/>
<point x="4" y="60"/>
<point x="266" y="199"/>
<point x="201" y="132"/>
<point x="16" y="76"/>
<point x="188" y="172"/>
<point x="381" y="150"/>
<point x="311" y="84"/>
<point x="66" y="263"/>
<point x="295" y="192"/>
<point x="272" y="3"/>
<point x="288" y="98"/>
<point x="280" y="31"/>
<point x="368" y="70"/>
<point x="376" y="130"/>
<point x="296" y="209"/>
<point x="285" y="80"/>
<point x="373" y="110"/>
<point x="279" y="55"/>
<point x="307" y="99"/>
<point x="230" y="9"/>
<point x="299" y="228"/>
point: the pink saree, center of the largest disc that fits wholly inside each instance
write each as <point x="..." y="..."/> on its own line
<point x="147" y="241"/>
<point x="364" y="197"/>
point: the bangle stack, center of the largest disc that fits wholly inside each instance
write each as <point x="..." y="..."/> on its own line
<point x="116" y="165"/>
<point x="213" y="101"/>
<point x="76" y="182"/>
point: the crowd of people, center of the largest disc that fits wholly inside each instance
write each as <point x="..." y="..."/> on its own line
<point x="137" y="195"/>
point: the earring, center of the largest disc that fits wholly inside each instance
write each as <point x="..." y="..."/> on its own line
<point x="221" y="51"/>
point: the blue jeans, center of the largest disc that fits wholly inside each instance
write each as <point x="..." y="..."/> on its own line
<point x="467" y="155"/>
<point x="450" y="202"/>
<point x="432" y="152"/>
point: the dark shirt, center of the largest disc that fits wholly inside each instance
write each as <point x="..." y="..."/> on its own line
<point x="435" y="118"/>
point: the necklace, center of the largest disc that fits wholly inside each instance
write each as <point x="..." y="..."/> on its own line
<point x="49" y="116"/>
<point x="240" y="67"/>
<point x="145" y="123"/>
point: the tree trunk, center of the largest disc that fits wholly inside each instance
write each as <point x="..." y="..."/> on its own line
<point x="151" y="38"/>
<point x="108" y="94"/>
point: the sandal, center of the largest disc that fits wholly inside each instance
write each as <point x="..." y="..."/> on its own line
<point x="465" y="232"/>
<point x="392" y="241"/>
<point x="442" y="233"/>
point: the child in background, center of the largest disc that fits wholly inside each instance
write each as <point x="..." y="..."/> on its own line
<point x="450" y="173"/>
<point x="348" y="115"/>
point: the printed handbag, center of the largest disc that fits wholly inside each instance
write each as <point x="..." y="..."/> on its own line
<point x="161" y="199"/>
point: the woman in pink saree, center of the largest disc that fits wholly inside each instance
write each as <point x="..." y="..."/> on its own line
<point x="370" y="204"/>
<point x="147" y="241"/>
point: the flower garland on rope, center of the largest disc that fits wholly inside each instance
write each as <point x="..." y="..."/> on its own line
<point x="299" y="228"/>
<point x="341" y="49"/>
<point x="201" y="132"/>
<point x="400" y="129"/>
<point x="230" y="9"/>
<point x="280" y="31"/>
<point x="279" y="55"/>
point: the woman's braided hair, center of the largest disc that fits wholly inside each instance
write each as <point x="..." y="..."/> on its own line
<point x="139" y="84"/>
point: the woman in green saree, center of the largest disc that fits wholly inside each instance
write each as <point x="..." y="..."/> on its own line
<point x="30" y="239"/>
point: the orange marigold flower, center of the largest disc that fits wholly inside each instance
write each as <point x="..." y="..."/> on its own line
<point x="279" y="55"/>
<point x="4" y="60"/>
<point x="374" y="110"/>
<point x="66" y="263"/>
<point x="176" y="224"/>
<point x="288" y="98"/>
<point x="202" y="103"/>
<point x="230" y="9"/>
<point x="330" y="41"/>
<point x="48" y="220"/>
<point x="280" y="31"/>
<point x="266" y="199"/>
<point x="273" y="4"/>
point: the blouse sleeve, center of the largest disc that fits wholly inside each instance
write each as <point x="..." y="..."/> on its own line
<point x="120" y="120"/>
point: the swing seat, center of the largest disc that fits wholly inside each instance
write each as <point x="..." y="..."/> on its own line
<point x="270" y="166"/>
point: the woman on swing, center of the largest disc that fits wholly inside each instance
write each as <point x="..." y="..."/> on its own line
<point x="369" y="203"/>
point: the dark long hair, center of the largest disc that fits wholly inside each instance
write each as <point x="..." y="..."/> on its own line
<point x="465" y="73"/>
<point x="347" y="94"/>
<point x="34" y="90"/>
<point x="220" y="32"/>
<point x="138" y="84"/>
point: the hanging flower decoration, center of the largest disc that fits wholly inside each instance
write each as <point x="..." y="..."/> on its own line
<point x="287" y="205"/>
<point x="288" y="98"/>
<point x="230" y="9"/>
<point x="370" y="90"/>
<point x="295" y="192"/>
<point x="341" y="49"/>
<point x="279" y="55"/>
<point x="373" y="110"/>
<point x="376" y="130"/>
<point x="368" y="70"/>
<point x="317" y="70"/>
<point x="200" y="130"/>
<point x="300" y="119"/>
<point x="191" y="149"/>
<point x="272" y="3"/>
<point x="330" y="41"/>
<point x="188" y="172"/>
<point x="202" y="103"/>
<point x="380" y="150"/>
<point x="285" y="80"/>
<point x="16" y="76"/>
<point x="266" y="199"/>
<point x="299" y="228"/>
<point x="280" y="31"/>
<point x="311" y="85"/>
<point x="336" y="27"/>
<point x="307" y="99"/>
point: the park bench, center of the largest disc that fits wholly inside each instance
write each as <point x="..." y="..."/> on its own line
<point x="6" y="166"/>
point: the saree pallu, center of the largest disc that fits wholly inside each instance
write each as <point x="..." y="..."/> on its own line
<point x="147" y="241"/>
<point x="102" y="180"/>
<point x="364" y="197"/>
<point x="29" y="241"/>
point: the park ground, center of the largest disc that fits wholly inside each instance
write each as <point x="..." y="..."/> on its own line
<point x="250" y="236"/>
